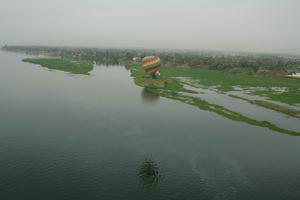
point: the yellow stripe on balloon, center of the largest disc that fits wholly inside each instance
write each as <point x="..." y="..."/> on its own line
<point x="150" y="63"/>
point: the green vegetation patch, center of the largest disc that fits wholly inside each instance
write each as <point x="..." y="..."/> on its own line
<point x="283" y="109"/>
<point x="292" y="96"/>
<point x="67" y="65"/>
<point x="168" y="87"/>
<point x="226" y="82"/>
<point x="211" y="78"/>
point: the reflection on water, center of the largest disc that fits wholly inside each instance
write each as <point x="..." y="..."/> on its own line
<point x="149" y="173"/>
<point x="148" y="97"/>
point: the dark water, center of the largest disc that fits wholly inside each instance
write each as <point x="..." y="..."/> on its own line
<point x="102" y="137"/>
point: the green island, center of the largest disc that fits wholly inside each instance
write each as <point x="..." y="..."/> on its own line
<point x="169" y="87"/>
<point x="63" y="64"/>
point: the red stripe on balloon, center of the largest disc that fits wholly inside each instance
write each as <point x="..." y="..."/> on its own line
<point x="152" y="69"/>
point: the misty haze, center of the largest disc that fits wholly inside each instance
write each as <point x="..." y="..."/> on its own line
<point x="136" y="99"/>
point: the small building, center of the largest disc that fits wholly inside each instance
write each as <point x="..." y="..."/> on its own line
<point x="294" y="75"/>
<point x="136" y="58"/>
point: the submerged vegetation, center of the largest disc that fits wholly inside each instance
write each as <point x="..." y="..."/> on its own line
<point x="149" y="173"/>
<point x="67" y="65"/>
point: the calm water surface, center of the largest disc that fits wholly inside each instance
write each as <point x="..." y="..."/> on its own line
<point x="92" y="137"/>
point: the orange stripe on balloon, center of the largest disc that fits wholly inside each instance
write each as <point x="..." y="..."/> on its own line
<point x="152" y="69"/>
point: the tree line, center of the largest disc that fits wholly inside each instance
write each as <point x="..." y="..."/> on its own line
<point x="222" y="61"/>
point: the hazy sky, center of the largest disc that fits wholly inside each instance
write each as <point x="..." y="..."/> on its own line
<point x="234" y="25"/>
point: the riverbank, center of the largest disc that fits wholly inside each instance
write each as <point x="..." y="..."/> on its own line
<point x="169" y="87"/>
<point x="67" y="65"/>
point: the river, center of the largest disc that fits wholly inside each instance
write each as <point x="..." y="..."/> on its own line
<point x="66" y="136"/>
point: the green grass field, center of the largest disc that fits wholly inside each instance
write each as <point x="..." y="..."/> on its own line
<point x="67" y="65"/>
<point x="226" y="82"/>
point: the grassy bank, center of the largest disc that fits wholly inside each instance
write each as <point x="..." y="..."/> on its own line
<point x="67" y="65"/>
<point x="170" y="88"/>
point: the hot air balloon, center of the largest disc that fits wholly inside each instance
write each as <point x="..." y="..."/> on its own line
<point x="151" y="64"/>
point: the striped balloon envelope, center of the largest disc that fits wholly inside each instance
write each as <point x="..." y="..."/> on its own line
<point x="151" y="64"/>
